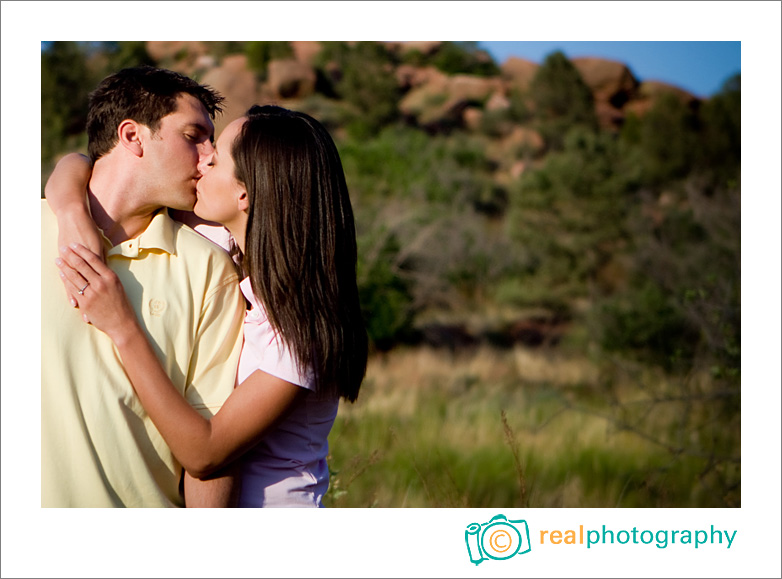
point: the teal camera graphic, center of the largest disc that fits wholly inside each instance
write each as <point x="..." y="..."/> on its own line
<point x="498" y="539"/>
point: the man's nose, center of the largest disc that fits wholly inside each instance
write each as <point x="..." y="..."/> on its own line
<point x="205" y="156"/>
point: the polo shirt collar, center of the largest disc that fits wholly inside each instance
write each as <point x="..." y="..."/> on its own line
<point x="159" y="234"/>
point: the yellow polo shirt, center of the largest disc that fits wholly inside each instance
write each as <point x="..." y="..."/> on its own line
<point x="98" y="446"/>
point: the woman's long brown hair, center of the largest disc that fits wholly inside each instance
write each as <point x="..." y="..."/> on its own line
<point x="300" y="244"/>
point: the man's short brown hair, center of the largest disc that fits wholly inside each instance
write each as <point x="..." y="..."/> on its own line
<point x="144" y="94"/>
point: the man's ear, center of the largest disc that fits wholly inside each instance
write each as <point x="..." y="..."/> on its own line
<point x="243" y="201"/>
<point x="130" y="137"/>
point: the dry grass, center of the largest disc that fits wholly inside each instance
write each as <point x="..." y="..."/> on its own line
<point x="530" y="428"/>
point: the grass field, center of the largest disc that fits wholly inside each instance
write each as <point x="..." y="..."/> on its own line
<point x="533" y="428"/>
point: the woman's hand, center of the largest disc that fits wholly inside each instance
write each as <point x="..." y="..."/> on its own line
<point x="98" y="291"/>
<point x="76" y="227"/>
<point x="66" y="193"/>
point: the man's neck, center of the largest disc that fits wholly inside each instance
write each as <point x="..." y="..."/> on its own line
<point x="116" y="208"/>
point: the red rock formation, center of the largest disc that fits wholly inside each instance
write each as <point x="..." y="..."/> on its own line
<point x="424" y="47"/>
<point x="290" y="79"/>
<point x="409" y="76"/>
<point x="609" y="81"/>
<point x="518" y="72"/>
<point x="612" y="85"/>
<point x="237" y="84"/>
<point x="306" y="50"/>
<point x="443" y="99"/>
<point x="181" y="55"/>
<point x="650" y="91"/>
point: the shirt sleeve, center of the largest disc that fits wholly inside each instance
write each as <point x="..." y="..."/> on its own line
<point x="218" y="235"/>
<point x="265" y="350"/>
<point x="218" y="342"/>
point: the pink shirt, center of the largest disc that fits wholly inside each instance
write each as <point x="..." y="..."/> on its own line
<point x="288" y="467"/>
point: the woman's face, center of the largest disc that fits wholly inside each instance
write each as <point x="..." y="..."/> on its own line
<point x="218" y="191"/>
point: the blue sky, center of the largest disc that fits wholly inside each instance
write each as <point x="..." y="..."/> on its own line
<point x="698" y="67"/>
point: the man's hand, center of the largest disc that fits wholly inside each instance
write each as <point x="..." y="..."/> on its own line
<point x="219" y="490"/>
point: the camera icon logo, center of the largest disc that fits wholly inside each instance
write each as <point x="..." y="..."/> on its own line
<point x="498" y="539"/>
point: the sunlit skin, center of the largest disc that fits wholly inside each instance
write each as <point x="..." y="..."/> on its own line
<point x="177" y="153"/>
<point x="144" y="172"/>
<point x="220" y="197"/>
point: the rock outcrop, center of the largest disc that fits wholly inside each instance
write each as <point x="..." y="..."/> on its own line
<point x="612" y="86"/>
<point x="441" y="100"/>
<point x="650" y="91"/>
<point x="237" y="84"/>
<point x="306" y="51"/>
<point x="518" y="72"/>
<point x="185" y="56"/>
<point x="290" y="79"/>
<point x="430" y="98"/>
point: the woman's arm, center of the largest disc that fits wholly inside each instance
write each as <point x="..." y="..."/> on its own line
<point x="66" y="193"/>
<point x="201" y="445"/>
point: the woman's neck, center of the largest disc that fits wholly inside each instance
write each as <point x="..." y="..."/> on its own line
<point x="238" y="229"/>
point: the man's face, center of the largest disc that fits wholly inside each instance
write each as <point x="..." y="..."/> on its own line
<point x="175" y="152"/>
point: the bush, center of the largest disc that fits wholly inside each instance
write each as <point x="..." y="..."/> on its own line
<point x="365" y="79"/>
<point x="384" y="295"/>
<point x="405" y="163"/>
<point x="648" y="324"/>
<point x="569" y="214"/>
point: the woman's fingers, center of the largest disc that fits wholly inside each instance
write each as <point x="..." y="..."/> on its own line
<point x="73" y="280"/>
<point x="91" y="258"/>
<point x="77" y="262"/>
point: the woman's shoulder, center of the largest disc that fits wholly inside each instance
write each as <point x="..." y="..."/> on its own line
<point x="214" y="232"/>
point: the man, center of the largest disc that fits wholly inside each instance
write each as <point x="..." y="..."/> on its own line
<point x="148" y="131"/>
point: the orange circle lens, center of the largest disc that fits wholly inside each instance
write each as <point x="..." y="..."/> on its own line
<point x="496" y="536"/>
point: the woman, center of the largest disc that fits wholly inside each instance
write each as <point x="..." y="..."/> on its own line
<point x="275" y="182"/>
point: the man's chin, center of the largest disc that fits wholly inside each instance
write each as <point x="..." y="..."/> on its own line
<point x="183" y="204"/>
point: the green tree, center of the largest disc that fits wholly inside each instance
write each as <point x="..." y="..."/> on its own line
<point x="260" y="52"/>
<point x="720" y="147"/>
<point x="668" y="140"/>
<point x="65" y="83"/>
<point x="561" y="99"/>
<point x="364" y="77"/>
<point x="464" y="58"/>
<point x="123" y="54"/>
